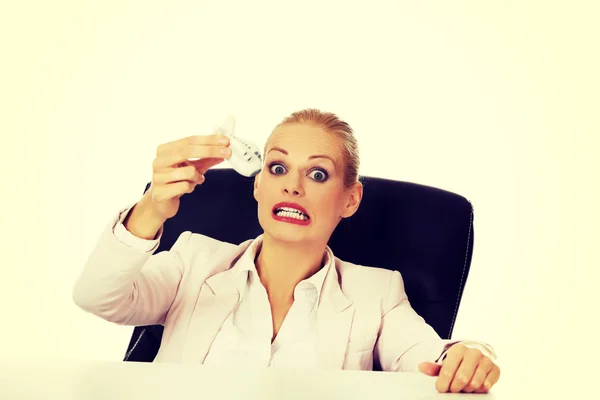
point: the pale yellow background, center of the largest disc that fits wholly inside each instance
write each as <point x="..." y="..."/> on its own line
<point x="497" y="101"/>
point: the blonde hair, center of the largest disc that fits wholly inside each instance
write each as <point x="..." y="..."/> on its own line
<point x="332" y="124"/>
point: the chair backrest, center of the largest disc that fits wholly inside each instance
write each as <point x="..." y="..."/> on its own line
<point x="423" y="232"/>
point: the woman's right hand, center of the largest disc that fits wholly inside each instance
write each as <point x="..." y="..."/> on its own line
<point x="173" y="176"/>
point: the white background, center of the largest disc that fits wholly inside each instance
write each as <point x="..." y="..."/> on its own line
<point x="497" y="102"/>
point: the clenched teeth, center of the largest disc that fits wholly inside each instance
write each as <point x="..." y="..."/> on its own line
<point x="291" y="213"/>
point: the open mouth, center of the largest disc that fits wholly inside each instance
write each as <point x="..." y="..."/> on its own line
<point x="291" y="212"/>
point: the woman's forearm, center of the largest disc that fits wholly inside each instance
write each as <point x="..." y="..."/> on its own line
<point x="142" y="221"/>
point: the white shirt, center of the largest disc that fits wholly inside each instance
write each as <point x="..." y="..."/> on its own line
<point x="245" y="337"/>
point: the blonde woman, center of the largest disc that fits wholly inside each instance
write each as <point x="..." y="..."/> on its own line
<point x="283" y="298"/>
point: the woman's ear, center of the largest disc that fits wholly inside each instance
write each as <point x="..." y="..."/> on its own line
<point x="354" y="196"/>
<point x="255" y="192"/>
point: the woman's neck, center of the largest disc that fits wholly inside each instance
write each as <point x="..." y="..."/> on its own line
<point x="282" y="265"/>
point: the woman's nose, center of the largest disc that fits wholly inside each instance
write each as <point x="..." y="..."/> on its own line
<point x="293" y="187"/>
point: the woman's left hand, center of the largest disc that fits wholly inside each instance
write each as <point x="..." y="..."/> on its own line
<point x="464" y="369"/>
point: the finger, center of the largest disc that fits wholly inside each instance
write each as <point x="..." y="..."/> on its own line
<point x="490" y="380"/>
<point x="449" y="368"/>
<point x="465" y="372"/>
<point x="173" y="190"/>
<point x="482" y="371"/>
<point x="429" y="368"/>
<point x="191" y="151"/>
<point x="198" y="140"/>
<point x="205" y="164"/>
<point x="170" y="175"/>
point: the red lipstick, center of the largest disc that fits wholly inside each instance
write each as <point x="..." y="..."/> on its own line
<point x="291" y="219"/>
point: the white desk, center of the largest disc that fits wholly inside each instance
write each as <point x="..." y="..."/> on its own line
<point x="92" y="380"/>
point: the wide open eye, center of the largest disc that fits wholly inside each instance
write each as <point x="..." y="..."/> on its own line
<point x="319" y="175"/>
<point x="276" y="169"/>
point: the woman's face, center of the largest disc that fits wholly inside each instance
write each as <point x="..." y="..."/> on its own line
<point x="300" y="190"/>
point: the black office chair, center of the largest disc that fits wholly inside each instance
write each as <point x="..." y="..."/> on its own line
<point x="423" y="232"/>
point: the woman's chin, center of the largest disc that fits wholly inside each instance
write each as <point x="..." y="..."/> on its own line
<point x="288" y="232"/>
<point x="285" y="235"/>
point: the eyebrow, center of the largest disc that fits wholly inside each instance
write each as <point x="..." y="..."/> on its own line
<point x="279" y="149"/>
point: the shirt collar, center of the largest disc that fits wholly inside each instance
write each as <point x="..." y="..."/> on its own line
<point x="245" y="267"/>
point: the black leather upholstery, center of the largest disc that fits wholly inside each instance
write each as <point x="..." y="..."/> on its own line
<point x="423" y="232"/>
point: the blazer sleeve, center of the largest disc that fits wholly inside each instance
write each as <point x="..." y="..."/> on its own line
<point x="405" y="339"/>
<point x="128" y="285"/>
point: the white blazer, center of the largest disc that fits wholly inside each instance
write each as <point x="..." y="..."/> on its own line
<point x="363" y="313"/>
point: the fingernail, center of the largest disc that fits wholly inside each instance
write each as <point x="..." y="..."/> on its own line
<point x="225" y="151"/>
<point x="224" y="140"/>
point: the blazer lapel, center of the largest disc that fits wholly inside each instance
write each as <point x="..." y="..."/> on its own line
<point x="334" y="321"/>
<point x="217" y="299"/>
